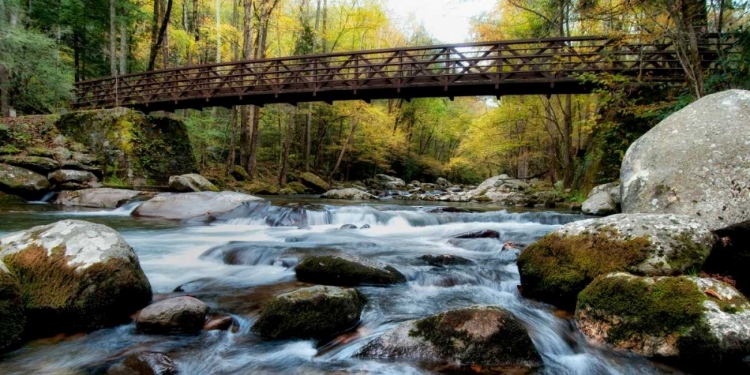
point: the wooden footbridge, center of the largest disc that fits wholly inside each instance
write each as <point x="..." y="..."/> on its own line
<point x="516" y="67"/>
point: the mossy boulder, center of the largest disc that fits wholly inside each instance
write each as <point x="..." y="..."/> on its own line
<point x="486" y="337"/>
<point x="314" y="183"/>
<point x="557" y="267"/>
<point x="22" y="182"/>
<point x="75" y="276"/>
<point x="318" y="312"/>
<point x="99" y="198"/>
<point x="173" y="315"/>
<point x="205" y="204"/>
<point x="35" y="163"/>
<point x="12" y="318"/>
<point x="239" y="173"/>
<point x="346" y="270"/>
<point x="349" y="194"/>
<point x="191" y="182"/>
<point x="263" y="188"/>
<point x="71" y="179"/>
<point x="134" y="147"/>
<point x="8" y="199"/>
<point x="297" y="187"/>
<point x="696" y="319"/>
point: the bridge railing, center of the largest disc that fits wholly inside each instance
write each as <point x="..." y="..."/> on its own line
<point x="489" y="63"/>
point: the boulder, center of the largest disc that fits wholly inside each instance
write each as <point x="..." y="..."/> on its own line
<point x="485" y="337"/>
<point x="99" y="198"/>
<point x="72" y="177"/>
<point x="145" y="363"/>
<point x="389" y="182"/>
<point x="697" y="319"/>
<point x="601" y="200"/>
<point x="191" y="182"/>
<point x="193" y="205"/>
<point x="7" y="199"/>
<point x="479" y="234"/>
<point x="557" y="267"/>
<point x="443" y="183"/>
<point x="86" y="159"/>
<point x="445" y="260"/>
<point x="500" y="189"/>
<point x="174" y="315"/>
<point x="695" y="162"/>
<point x="219" y="323"/>
<point x="37" y="164"/>
<point x="314" y="183"/>
<point x="348" y="226"/>
<point x="239" y="173"/>
<point x="74" y="276"/>
<point x="12" y="318"/>
<point x="346" y="270"/>
<point x="22" y="182"/>
<point x="349" y="194"/>
<point x="317" y="312"/>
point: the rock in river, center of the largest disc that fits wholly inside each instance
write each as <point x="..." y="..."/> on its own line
<point x="486" y="337"/>
<point x="174" y="315"/>
<point x="318" y="312"/>
<point x="697" y="319"/>
<point x="145" y="363"/>
<point x="602" y="200"/>
<point x="191" y="182"/>
<point x="445" y="260"/>
<point x="22" y="182"/>
<point x="99" y="198"/>
<point x="75" y="275"/>
<point x="557" y="267"/>
<point x="12" y="318"/>
<point x="193" y="205"/>
<point x="346" y="270"/>
<point x="695" y="162"/>
<point x="314" y="183"/>
<point x="350" y="194"/>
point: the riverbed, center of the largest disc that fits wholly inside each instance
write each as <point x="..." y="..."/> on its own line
<point x="174" y="257"/>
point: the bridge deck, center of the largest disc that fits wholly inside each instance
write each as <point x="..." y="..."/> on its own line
<point x="518" y="67"/>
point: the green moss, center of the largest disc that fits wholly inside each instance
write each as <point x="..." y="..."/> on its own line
<point x="9" y="150"/>
<point x="297" y="187"/>
<point x="556" y="268"/>
<point x="57" y="298"/>
<point x="12" y="318"/>
<point x="686" y="253"/>
<point x="314" y="182"/>
<point x="659" y="308"/>
<point x="8" y="199"/>
<point x="334" y="270"/>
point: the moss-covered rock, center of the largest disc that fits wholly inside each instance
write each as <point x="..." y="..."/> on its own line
<point x="205" y="204"/>
<point x="487" y="337"/>
<point x="557" y="267"/>
<point x="99" y="198"/>
<point x="35" y="163"/>
<point x="8" y="199"/>
<point x="239" y="173"/>
<point x="191" y="182"/>
<point x="297" y="187"/>
<point x="75" y="275"/>
<point x="141" y="149"/>
<point x="314" y="183"/>
<point x="346" y="270"/>
<point x="263" y="188"/>
<point x="12" y="318"/>
<point x="22" y="182"/>
<point x="183" y="314"/>
<point x="348" y="194"/>
<point x="697" y="319"/>
<point x="318" y="312"/>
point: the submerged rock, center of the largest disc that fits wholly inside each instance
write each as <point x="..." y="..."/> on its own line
<point x="193" y="205"/>
<point x="12" y="318"/>
<point x="695" y="162"/>
<point x="314" y="183"/>
<point x="602" y="200"/>
<point x="318" y="312"/>
<point x="219" y="323"/>
<point x="22" y="182"/>
<point x="75" y="275"/>
<point x="348" y="226"/>
<point x="557" y="267"/>
<point x="174" y="315"/>
<point x="697" y="319"/>
<point x="349" y="193"/>
<point x="445" y="260"/>
<point x="346" y="270"/>
<point x="191" y="182"/>
<point x="99" y="198"/>
<point x="478" y="234"/>
<point x="487" y="337"/>
<point x="145" y="363"/>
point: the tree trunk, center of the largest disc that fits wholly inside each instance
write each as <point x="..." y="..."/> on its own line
<point x="246" y="111"/>
<point x="287" y="146"/>
<point x="4" y="92"/>
<point x="324" y="39"/>
<point x="162" y="31"/>
<point x="218" y="31"/>
<point x="123" y="48"/>
<point x="308" y="141"/>
<point x="112" y="39"/>
<point x="343" y="148"/>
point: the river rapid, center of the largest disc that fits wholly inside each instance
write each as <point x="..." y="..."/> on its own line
<point x="172" y="256"/>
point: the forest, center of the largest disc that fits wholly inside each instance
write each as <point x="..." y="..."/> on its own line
<point x="574" y="140"/>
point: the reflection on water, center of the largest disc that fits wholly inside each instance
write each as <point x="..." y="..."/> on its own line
<point x="237" y="265"/>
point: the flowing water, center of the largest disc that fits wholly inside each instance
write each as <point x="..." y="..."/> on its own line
<point x="263" y="256"/>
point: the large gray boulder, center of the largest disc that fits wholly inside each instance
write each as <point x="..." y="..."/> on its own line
<point x="695" y="162"/>
<point x="500" y="189"/>
<point x="174" y="315"/>
<point x="193" y="205"/>
<point x="12" y="318"/>
<point x="487" y="337"/>
<point x="602" y="200"/>
<point x="385" y="181"/>
<point x="317" y="312"/>
<point x="75" y="275"/>
<point x="346" y="270"/>
<point x="697" y="319"/>
<point x="191" y="182"/>
<point x="72" y="179"/>
<point x="558" y="266"/>
<point x="349" y="194"/>
<point x="100" y="198"/>
<point x="22" y="182"/>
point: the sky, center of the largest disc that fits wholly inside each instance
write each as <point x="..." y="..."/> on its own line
<point x="446" y="20"/>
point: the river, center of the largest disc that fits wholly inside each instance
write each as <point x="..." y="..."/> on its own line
<point x="172" y="256"/>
